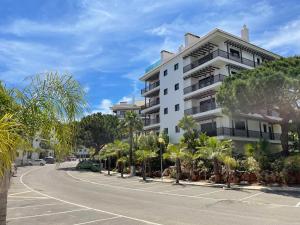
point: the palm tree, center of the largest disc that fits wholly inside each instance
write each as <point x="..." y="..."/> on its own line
<point x="132" y="123"/>
<point x="9" y="139"/>
<point x="121" y="152"/>
<point x="106" y="153"/>
<point x="51" y="102"/>
<point x="190" y="138"/>
<point x="147" y="150"/>
<point x="230" y="164"/>
<point x="163" y="141"/>
<point x="176" y="153"/>
<point x="187" y="123"/>
<point x="215" y="150"/>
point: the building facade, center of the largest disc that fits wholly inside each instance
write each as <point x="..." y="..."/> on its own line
<point x="120" y="109"/>
<point x="186" y="82"/>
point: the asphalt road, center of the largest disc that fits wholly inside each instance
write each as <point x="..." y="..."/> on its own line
<point x="45" y="195"/>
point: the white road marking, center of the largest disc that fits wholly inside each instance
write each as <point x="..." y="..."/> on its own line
<point x="93" y="221"/>
<point x="27" y="197"/>
<point x="298" y="204"/>
<point x="251" y="196"/>
<point x="33" y="206"/>
<point x="83" y="206"/>
<point x="47" y="214"/>
<point x="23" y="192"/>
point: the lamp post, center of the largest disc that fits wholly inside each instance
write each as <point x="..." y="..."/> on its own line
<point x="161" y="143"/>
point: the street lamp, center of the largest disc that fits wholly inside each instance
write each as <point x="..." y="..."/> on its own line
<point x="161" y="142"/>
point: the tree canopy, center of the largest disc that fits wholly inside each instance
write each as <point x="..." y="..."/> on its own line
<point x="96" y="130"/>
<point x="273" y="87"/>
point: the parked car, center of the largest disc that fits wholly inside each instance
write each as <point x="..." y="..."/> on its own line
<point x="49" y="160"/>
<point x="40" y="162"/>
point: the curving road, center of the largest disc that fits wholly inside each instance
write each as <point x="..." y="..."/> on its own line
<point x="44" y="195"/>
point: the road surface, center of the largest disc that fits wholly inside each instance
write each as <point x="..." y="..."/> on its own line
<point x="45" y="195"/>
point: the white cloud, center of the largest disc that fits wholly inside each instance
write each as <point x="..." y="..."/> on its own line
<point x="104" y="107"/>
<point x="285" y="38"/>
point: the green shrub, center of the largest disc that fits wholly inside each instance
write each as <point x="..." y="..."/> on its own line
<point x="292" y="164"/>
<point x="251" y="165"/>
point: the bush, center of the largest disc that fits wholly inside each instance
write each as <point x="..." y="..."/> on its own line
<point x="292" y="164"/>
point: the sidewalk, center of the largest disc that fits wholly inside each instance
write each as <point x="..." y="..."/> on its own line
<point x="233" y="186"/>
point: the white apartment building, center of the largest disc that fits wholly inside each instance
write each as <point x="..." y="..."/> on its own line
<point x="186" y="82"/>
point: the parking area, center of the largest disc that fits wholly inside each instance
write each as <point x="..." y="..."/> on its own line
<point x="29" y="205"/>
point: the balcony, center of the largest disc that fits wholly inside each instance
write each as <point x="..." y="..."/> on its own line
<point x="215" y="54"/>
<point x="204" y="83"/>
<point x="150" y="87"/>
<point x="151" y="104"/>
<point x="226" y="131"/>
<point x="200" y="109"/>
<point x="149" y="122"/>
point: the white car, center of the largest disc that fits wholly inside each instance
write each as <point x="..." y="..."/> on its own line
<point x="40" y="162"/>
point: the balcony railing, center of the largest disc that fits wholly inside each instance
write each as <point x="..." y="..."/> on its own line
<point x="226" y="131"/>
<point x="150" y="87"/>
<point x="215" y="54"/>
<point x="232" y="132"/>
<point x="199" y="109"/>
<point x="151" y="103"/>
<point x="204" y="83"/>
<point x="149" y="122"/>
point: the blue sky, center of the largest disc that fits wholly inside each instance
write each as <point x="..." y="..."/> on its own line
<point x="106" y="44"/>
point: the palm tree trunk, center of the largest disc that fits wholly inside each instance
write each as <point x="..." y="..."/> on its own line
<point x="100" y="167"/>
<point x="144" y="170"/>
<point x="132" y="169"/>
<point x="228" y="177"/>
<point x="298" y="133"/>
<point x="122" y="170"/>
<point x="216" y="170"/>
<point x="108" y="166"/>
<point x="177" y="170"/>
<point x="4" y="182"/>
<point x="285" y="137"/>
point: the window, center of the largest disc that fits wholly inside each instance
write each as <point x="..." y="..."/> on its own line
<point x="209" y="129"/>
<point x="234" y="52"/>
<point x="166" y="131"/>
<point x="258" y="61"/>
<point x="176" y="66"/>
<point x="165" y="72"/>
<point x="177" y="107"/>
<point x="240" y="125"/>
<point x="265" y="128"/>
<point x="176" y="86"/>
<point x="165" y="110"/>
<point x="232" y="72"/>
<point x="208" y="104"/>
<point x="165" y="91"/>
<point x="177" y="129"/>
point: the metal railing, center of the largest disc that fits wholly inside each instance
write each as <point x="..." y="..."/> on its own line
<point x="151" y="103"/>
<point x="226" y="131"/>
<point x="199" y="109"/>
<point x="204" y="83"/>
<point x="150" y="87"/>
<point x="149" y="122"/>
<point x="215" y="54"/>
